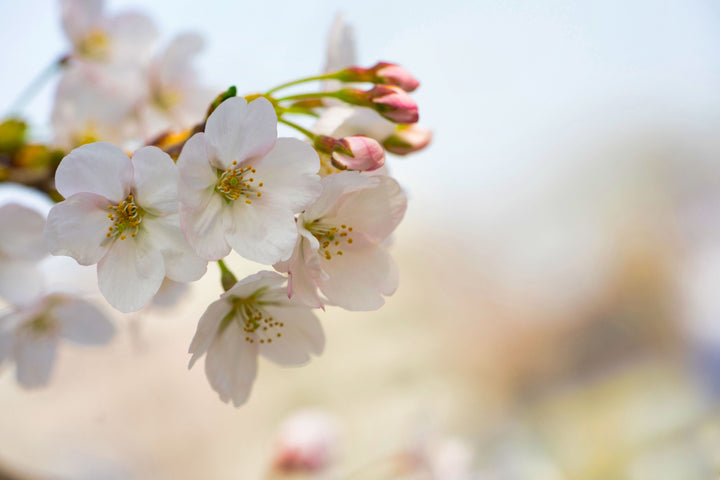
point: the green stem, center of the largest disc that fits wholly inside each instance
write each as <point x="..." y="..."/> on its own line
<point x="296" y="111"/>
<point x="37" y="83"/>
<point x="227" y="278"/>
<point x="306" y="96"/>
<point x="326" y="76"/>
<point x="297" y="127"/>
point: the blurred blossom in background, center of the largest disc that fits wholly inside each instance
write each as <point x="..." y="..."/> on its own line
<point x="558" y="315"/>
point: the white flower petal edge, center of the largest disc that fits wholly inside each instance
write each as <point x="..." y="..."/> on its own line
<point x="132" y="230"/>
<point x="30" y="334"/>
<point x="253" y="318"/>
<point x="341" y="250"/>
<point x="241" y="188"/>
<point x="22" y="246"/>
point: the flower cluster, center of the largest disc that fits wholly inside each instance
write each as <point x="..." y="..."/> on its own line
<point x="212" y="180"/>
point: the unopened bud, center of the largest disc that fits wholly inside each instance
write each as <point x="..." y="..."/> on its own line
<point x="394" y="104"/>
<point x="382" y="73"/>
<point x="358" y="153"/>
<point x="408" y="139"/>
<point x="307" y="442"/>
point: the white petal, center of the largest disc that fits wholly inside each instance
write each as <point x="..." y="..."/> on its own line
<point x="304" y="272"/>
<point x="333" y="188"/>
<point x="359" y="278"/>
<point x="344" y="121"/>
<point x="34" y="357"/>
<point x="79" y="16"/>
<point x="175" y="61"/>
<point x="133" y="36"/>
<point x="289" y="174"/>
<point x="231" y="365"/>
<point x="249" y="285"/>
<point x="21" y="232"/>
<point x="131" y="273"/>
<point x="170" y="293"/>
<point x="195" y="174"/>
<point x="83" y="323"/>
<point x="376" y="211"/>
<point x="301" y="335"/>
<point x="204" y="226"/>
<point x="156" y="181"/>
<point x="100" y="168"/>
<point x="207" y="329"/>
<point x="240" y="131"/>
<point x="340" y="45"/>
<point x="263" y="232"/>
<point x="181" y="262"/>
<point x="20" y="281"/>
<point x="78" y="227"/>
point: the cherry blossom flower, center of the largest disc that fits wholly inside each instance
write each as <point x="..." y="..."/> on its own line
<point x="22" y="246"/>
<point x="125" y="38"/>
<point x="30" y="334"/>
<point x="175" y="98"/>
<point x="340" y="249"/>
<point x="240" y="186"/>
<point x="307" y="441"/>
<point x="253" y="318"/>
<point x="121" y="213"/>
<point x="88" y="107"/>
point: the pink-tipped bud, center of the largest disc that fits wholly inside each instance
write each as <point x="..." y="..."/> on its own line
<point x="393" y="103"/>
<point x="382" y="73"/>
<point x="391" y="74"/>
<point x="408" y="139"/>
<point x="358" y="153"/>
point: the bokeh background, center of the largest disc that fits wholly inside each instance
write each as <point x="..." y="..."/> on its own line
<point x="559" y="309"/>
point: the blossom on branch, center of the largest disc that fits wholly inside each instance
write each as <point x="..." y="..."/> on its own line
<point x="340" y="249"/>
<point x="255" y="317"/>
<point x="241" y="186"/>
<point x="121" y="213"/>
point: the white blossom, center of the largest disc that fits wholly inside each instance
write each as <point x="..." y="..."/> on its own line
<point x="121" y="213"/>
<point x="240" y="186"/>
<point x="30" y="334"/>
<point x="174" y="98"/>
<point x="253" y="318"/>
<point x="340" y="250"/>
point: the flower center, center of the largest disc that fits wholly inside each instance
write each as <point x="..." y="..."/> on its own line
<point x="235" y="183"/>
<point x="331" y="237"/>
<point x="126" y="217"/>
<point x="256" y="323"/>
<point x="166" y="98"/>
<point x="95" y="45"/>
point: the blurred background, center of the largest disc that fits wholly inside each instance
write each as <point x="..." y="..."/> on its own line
<point x="558" y="315"/>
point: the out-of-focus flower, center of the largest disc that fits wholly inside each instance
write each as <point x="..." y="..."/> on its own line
<point x="175" y="99"/>
<point x="30" y="334"/>
<point x="122" y="214"/>
<point x="125" y="38"/>
<point x="22" y="246"/>
<point x="253" y="318"/>
<point x="407" y="139"/>
<point x="241" y="186"/>
<point x="340" y="50"/>
<point x="340" y="248"/>
<point x="89" y="108"/>
<point x="305" y="442"/>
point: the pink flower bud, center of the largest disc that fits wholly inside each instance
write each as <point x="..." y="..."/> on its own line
<point x="391" y="74"/>
<point x="358" y="153"/>
<point x="393" y="103"/>
<point x="408" y="139"/>
<point x="305" y="442"/>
